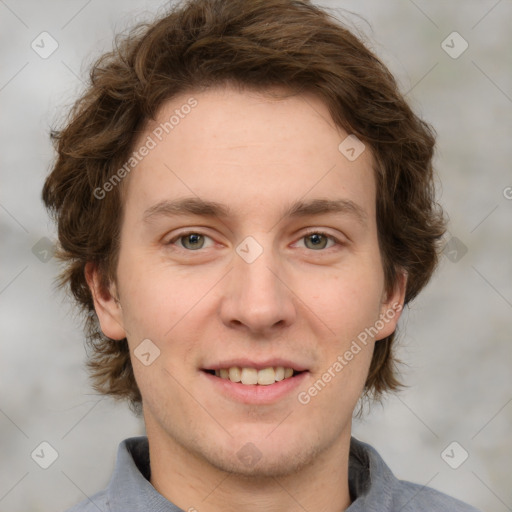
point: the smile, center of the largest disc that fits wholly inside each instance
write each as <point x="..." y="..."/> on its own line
<point x="252" y="376"/>
<point x="248" y="385"/>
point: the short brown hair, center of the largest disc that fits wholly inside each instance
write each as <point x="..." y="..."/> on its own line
<point x="258" y="44"/>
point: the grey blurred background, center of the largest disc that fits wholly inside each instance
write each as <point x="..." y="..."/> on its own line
<point x="455" y="338"/>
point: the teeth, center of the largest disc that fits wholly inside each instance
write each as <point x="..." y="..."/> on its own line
<point x="252" y="376"/>
<point x="235" y="374"/>
<point x="249" y="376"/>
<point x="266" y="376"/>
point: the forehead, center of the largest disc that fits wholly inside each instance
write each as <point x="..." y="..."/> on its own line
<point x="248" y="150"/>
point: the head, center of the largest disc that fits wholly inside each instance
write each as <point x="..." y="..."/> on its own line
<point x="244" y="107"/>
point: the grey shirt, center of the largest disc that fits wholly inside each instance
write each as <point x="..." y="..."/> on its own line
<point x="373" y="488"/>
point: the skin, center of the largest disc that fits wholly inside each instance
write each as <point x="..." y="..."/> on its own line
<point x="255" y="154"/>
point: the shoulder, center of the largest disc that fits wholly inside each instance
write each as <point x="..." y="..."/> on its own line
<point x="411" y="497"/>
<point x="375" y="488"/>
<point x="97" y="502"/>
<point x="128" y="487"/>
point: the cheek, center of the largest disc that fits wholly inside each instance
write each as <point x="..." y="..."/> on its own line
<point x="158" y="306"/>
<point x="152" y="300"/>
<point x="334" y="390"/>
<point x="346" y="304"/>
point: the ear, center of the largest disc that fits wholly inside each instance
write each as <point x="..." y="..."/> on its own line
<point x="392" y="305"/>
<point x="106" y="304"/>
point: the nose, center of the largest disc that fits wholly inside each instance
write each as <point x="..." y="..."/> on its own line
<point x="257" y="298"/>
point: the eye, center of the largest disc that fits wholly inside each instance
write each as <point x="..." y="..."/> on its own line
<point x="192" y="240"/>
<point x="317" y="240"/>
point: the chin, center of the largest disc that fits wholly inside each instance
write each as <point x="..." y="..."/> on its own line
<point x="259" y="457"/>
<point x="255" y="464"/>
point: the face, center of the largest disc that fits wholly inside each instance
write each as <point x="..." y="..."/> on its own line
<point x="249" y="242"/>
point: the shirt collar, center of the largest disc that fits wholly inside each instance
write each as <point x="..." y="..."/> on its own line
<point x="371" y="482"/>
<point x="130" y="488"/>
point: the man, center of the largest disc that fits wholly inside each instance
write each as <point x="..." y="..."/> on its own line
<point x="245" y="205"/>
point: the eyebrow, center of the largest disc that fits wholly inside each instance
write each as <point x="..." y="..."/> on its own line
<point x="299" y="209"/>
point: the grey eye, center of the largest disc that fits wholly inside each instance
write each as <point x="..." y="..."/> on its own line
<point x="316" y="239"/>
<point x="195" y="241"/>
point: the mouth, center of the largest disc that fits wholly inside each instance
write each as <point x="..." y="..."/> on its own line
<point x="265" y="385"/>
<point x="250" y="376"/>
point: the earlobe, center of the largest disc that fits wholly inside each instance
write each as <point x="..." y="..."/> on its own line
<point x="106" y="303"/>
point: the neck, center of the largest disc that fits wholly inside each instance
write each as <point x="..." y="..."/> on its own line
<point x="190" y="482"/>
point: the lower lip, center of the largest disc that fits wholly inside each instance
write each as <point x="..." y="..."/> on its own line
<point x="256" y="393"/>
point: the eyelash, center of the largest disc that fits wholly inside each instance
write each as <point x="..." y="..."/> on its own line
<point x="309" y="233"/>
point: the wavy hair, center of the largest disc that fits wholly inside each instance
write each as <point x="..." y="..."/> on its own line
<point x="256" y="44"/>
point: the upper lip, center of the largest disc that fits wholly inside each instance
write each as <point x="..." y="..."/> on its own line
<point x="259" y="365"/>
